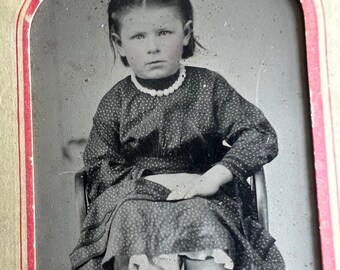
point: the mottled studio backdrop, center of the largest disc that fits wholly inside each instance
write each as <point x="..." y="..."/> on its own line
<point x="257" y="45"/>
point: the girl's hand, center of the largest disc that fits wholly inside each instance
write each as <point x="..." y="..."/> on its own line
<point x="205" y="185"/>
<point x="202" y="187"/>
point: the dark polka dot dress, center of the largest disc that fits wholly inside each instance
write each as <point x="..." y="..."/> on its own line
<point x="135" y="135"/>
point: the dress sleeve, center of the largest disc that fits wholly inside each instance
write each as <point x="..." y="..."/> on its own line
<point x="104" y="163"/>
<point x="243" y="126"/>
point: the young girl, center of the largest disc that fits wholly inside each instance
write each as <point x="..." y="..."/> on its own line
<point x="165" y="192"/>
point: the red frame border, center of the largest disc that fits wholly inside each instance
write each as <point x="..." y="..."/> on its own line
<point x="318" y="129"/>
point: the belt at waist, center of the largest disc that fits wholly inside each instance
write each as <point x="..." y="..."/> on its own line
<point x="157" y="164"/>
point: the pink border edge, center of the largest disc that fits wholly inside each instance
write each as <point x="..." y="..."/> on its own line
<point x="318" y="131"/>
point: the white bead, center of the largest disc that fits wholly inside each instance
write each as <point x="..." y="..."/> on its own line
<point x="165" y="92"/>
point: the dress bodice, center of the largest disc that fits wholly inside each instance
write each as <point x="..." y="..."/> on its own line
<point x="176" y="132"/>
<point x="134" y="133"/>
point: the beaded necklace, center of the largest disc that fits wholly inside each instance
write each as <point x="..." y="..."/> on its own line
<point x="165" y="92"/>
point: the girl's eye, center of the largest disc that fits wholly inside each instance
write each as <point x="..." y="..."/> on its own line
<point x="164" y="33"/>
<point x="139" y="36"/>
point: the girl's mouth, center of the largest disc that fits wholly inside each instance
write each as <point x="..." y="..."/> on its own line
<point x="155" y="62"/>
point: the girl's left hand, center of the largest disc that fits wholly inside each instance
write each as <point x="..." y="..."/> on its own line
<point x="206" y="185"/>
<point x="201" y="187"/>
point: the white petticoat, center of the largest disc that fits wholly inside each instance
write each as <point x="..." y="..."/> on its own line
<point x="172" y="261"/>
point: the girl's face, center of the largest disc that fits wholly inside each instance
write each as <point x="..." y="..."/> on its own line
<point x="152" y="40"/>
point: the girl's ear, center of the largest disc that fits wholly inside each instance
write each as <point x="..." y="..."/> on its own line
<point x="187" y="32"/>
<point x="117" y="40"/>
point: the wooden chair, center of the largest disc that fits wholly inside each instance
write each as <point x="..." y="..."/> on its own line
<point x="259" y="190"/>
<point x="82" y="201"/>
<point x="257" y="183"/>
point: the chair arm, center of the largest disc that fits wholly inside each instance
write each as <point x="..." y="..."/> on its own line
<point x="259" y="186"/>
<point x="80" y="195"/>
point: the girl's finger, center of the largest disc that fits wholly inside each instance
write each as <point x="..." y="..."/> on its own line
<point x="191" y="193"/>
<point x="171" y="197"/>
<point x="175" y="195"/>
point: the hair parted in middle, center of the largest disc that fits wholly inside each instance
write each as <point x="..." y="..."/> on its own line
<point x="118" y="8"/>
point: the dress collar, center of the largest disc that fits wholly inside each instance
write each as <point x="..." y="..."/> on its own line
<point x="159" y="84"/>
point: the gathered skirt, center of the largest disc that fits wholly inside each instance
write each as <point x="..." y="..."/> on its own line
<point x="133" y="217"/>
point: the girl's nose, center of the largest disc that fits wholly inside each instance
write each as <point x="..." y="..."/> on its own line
<point x="153" y="46"/>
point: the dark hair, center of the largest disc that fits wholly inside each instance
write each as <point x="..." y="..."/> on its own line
<point x="118" y="8"/>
